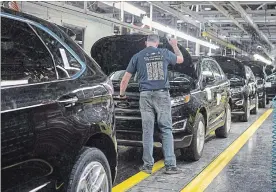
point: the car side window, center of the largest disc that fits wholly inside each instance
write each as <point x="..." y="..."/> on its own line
<point x="24" y="59"/>
<point x="249" y="74"/>
<point x="206" y="71"/>
<point x="216" y="70"/>
<point x="66" y="63"/>
<point x="252" y="76"/>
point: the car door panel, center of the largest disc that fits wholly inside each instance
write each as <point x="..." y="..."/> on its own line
<point x="221" y="91"/>
<point x="210" y="93"/>
<point x="40" y="132"/>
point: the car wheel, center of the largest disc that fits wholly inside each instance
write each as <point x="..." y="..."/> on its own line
<point x="91" y="172"/>
<point x="246" y="115"/>
<point x="223" y="131"/>
<point x="256" y="108"/>
<point x="194" y="151"/>
<point x="262" y="103"/>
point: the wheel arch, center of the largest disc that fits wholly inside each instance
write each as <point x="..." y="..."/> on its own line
<point x="104" y="143"/>
<point x="203" y="111"/>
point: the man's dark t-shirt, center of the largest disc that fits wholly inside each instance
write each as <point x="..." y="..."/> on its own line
<point x="151" y="65"/>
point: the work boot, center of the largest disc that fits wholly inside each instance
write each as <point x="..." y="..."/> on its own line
<point x="172" y="170"/>
<point x="146" y="168"/>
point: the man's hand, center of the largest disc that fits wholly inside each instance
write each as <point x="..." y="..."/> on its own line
<point x="173" y="42"/>
<point x="121" y="97"/>
<point x="124" y="82"/>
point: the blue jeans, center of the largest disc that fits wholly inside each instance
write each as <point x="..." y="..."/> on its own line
<point x="151" y="103"/>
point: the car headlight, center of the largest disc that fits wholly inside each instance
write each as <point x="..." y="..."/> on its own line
<point x="180" y="100"/>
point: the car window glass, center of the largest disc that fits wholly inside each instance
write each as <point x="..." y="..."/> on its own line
<point x="24" y="59"/>
<point x="66" y="64"/>
<point x="216" y="70"/>
<point x="206" y="69"/>
<point x="118" y="75"/>
<point x="249" y="74"/>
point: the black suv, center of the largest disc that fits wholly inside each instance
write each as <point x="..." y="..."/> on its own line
<point x="244" y="97"/>
<point x="269" y="69"/>
<point x="199" y="95"/>
<point x="258" y="68"/>
<point x="57" y="111"/>
<point x="271" y="86"/>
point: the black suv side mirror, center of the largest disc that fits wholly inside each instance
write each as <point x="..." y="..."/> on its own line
<point x="208" y="79"/>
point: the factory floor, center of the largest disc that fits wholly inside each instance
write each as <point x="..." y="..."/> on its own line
<point x="241" y="163"/>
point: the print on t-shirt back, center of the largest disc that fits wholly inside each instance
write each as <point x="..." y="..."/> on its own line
<point x="154" y="64"/>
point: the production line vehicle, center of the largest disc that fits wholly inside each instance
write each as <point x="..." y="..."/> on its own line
<point x="244" y="95"/>
<point x="57" y="111"/>
<point x="200" y="95"/>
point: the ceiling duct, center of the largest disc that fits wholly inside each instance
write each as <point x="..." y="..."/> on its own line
<point x="248" y="18"/>
<point x="227" y="14"/>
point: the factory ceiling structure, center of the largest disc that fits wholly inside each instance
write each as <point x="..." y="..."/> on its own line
<point x="245" y="28"/>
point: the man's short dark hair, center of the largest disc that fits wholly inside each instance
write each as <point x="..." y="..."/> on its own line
<point x="153" y="38"/>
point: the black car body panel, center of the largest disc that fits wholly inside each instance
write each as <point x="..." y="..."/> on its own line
<point x="257" y="68"/>
<point x="48" y="118"/>
<point x="269" y="69"/>
<point x="187" y="91"/>
<point x="271" y="86"/>
<point x="242" y="82"/>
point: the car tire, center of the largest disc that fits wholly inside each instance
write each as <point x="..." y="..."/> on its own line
<point x="263" y="101"/>
<point x="94" y="161"/>
<point x="194" y="151"/>
<point x="246" y="115"/>
<point x="256" y="108"/>
<point x="223" y="131"/>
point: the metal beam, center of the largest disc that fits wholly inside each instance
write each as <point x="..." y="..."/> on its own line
<point x="175" y="13"/>
<point x="151" y="11"/>
<point x="248" y="18"/>
<point x="195" y="15"/>
<point x="221" y="41"/>
<point x="253" y="12"/>
<point x="261" y="6"/>
<point x="227" y="14"/>
<point x="268" y="19"/>
<point x="189" y="3"/>
<point x="89" y="15"/>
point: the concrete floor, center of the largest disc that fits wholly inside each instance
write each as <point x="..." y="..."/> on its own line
<point x="250" y="169"/>
<point x="257" y="146"/>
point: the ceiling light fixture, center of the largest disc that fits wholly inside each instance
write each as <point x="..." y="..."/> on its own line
<point x="261" y="58"/>
<point x="127" y="7"/>
<point x="158" y="26"/>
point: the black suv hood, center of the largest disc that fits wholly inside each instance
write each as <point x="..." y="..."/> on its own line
<point x="113" y="53"/>
<point x="256" y="67"/>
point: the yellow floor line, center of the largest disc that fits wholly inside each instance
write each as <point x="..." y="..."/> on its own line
<point x="201" y="181"/>
<point x="137" y="178"/>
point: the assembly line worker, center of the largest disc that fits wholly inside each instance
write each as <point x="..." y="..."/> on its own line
<point x="151" y="65"/>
